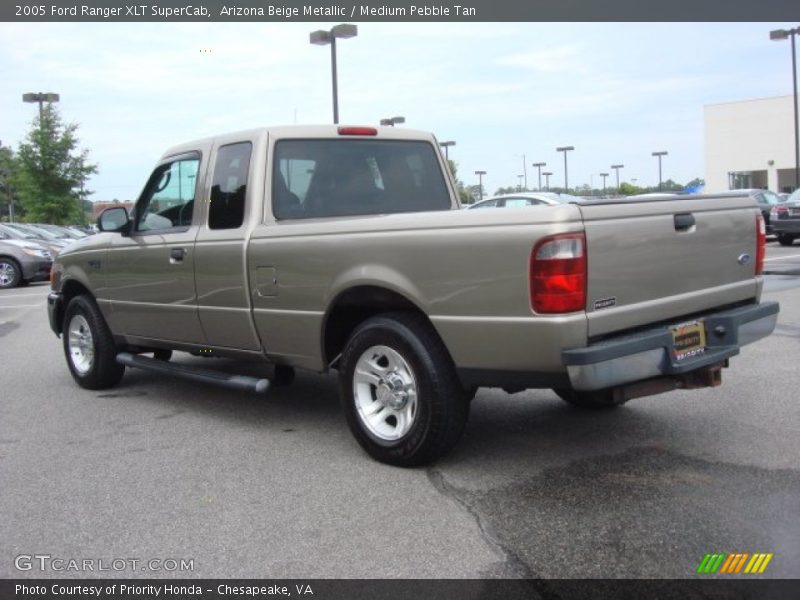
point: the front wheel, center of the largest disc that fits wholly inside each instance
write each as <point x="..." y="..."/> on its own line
<point x="784" y="239"/>
<point x="89" y="346"/>
<point x="402" y="398"/>
<point x="10" y="273"/>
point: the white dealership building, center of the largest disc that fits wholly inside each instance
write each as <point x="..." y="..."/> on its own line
<point x="750" y="144"/>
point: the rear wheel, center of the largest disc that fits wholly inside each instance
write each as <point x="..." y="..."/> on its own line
<point x="89" y="346"/>
<point x="402" y="398"/>
<point x="594" y="400"/>
<point x="784" y="239"/>
<point x="10" y="273"/>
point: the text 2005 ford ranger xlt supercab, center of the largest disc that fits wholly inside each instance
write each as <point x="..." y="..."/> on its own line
<point x="342" y="247"/>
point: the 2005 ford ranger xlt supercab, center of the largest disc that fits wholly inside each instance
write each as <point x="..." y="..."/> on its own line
<point x="327" y="247"/>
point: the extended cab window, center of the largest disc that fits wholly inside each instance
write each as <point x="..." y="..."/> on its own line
<point x="329" y="178"/>
<point x="229" y="188"/>
<point x="168" y="201"/>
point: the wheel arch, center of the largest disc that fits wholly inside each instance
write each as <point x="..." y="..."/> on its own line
<point x="69" y="289"/>
<point x="353" y="306"/>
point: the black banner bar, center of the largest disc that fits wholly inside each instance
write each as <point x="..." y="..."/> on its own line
<point x="398" y="10"/>
<point x="385" y="589"/>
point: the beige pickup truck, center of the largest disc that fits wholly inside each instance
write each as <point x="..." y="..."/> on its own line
<point x="343" y="248"/>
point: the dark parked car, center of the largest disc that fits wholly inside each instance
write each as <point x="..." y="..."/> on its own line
<point x="765" y="199"/>
<point x="786" y="220"/>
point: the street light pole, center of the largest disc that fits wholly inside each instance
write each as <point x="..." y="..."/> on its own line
<point x="519" y="185"/>
<point x="480" y="175"/>
<point x="547" y="179"/>
<point x="40" y="98"/>
<point x="322" y="38"/>
<point x="604" y="175"/>
<point x="782" y="34"/>
<point x="565" y="149"/>
<point x="659" y="155"/>
<point x="539" y="166"/>
<point x="446" y="145"/>
<point x="617" y="168"/>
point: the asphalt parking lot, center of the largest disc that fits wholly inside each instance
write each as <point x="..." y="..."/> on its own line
<point x="274" y="486"/>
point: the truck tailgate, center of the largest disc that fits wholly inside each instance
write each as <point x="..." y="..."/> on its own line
<point x="656" y="260"/>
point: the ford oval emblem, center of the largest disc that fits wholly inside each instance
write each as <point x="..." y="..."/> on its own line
<point x="744" y="259"/>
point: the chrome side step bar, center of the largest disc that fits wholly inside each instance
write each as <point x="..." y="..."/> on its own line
<point x="234" y="382"/>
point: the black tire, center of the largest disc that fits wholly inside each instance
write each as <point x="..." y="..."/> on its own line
<point x="10" y="273"/>
<point x="784" y="239"/>
<point x="440" y="405"/>
<point x="594" y="400"/>
<point x="162" y="354"/>
<point x="101" y="371"/>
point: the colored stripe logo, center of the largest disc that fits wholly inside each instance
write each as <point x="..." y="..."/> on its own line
<point x="734" y="563"/>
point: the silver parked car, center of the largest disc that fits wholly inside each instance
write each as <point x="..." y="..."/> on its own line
<point x="22" y="261"/>
<point x="525" y="199"/>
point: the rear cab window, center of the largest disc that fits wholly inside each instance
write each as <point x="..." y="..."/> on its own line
<point x="330" y="178"/>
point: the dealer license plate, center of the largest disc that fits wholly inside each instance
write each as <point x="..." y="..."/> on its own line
<point x="688" y="339"/>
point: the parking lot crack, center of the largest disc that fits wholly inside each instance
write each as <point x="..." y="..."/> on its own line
<point x="512" y="565"/>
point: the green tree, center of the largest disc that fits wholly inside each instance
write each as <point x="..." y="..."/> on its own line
<point x="464" y="194"/>
<point x="8" y="194"/>
<point x="51" y="171"/>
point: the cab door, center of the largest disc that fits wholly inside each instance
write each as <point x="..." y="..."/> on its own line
<point x="220" y="250"/>
<point x="150" y="276"/>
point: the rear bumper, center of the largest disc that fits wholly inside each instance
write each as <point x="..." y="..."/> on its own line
<point x="55" y="311"/>
<point x="786" y="226"/>
<point x="648" y="354"/>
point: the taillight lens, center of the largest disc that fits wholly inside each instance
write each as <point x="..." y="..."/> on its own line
<point x="761" y="244"/>
<point x="779" y="212"/>
<point x="558" y="274"/>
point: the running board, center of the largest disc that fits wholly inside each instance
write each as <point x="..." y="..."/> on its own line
<point x="234" y="382"/>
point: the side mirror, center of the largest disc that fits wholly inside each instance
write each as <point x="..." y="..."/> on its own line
<point x="114" y="219"/>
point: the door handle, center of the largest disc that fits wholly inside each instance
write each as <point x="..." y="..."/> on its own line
<point x="684" y="221"/>
<point x="176" y="255"/>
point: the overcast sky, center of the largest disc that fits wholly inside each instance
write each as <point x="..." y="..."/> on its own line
<point x="617" y="92"/>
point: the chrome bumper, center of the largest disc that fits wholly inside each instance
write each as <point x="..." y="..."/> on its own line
<point x="648" y="354"/>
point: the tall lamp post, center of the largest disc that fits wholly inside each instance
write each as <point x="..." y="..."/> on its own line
<point x="480" y="175"/>
<point x="565" y="149"/>
<point x="547" y="179"/>
<point x="392" y="121"/>
<point x="40" y="98"/>
<point x="782" y="34"/>
<point x="322" y="37"/>
<point x="604" y="175"/>
<point x="519" y="185"/>
<point x="617" y="168"/>
<point x="539" y="166"/>
<point x="659" y="155"/>
<point x="524" y="170"/>
<point x="446" y="145"/>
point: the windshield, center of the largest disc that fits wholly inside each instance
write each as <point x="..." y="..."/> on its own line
<point x="16" y="233"/>
<point x="795" y="197"/>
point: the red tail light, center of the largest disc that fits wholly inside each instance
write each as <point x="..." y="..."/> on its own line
<point x="779" y="212"/>
<point x="358" y="131"/>
<point x="558" y="274"/>
<point x="761" y="244"/>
